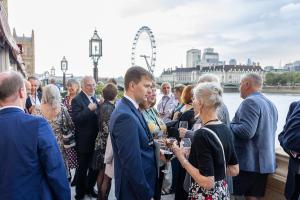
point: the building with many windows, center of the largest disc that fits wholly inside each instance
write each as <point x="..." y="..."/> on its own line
<point x="227" y="74"/>
<point x="209" y="57"/>
<point x="26" y="45"/>
<point x="10" y="58"/>
<point x="193" y="57"/>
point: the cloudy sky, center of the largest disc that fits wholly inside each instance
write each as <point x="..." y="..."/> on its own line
<point x="267" y="31"/>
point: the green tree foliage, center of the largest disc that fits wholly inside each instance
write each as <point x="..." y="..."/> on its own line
<point x="99" y="89"/>
<point x="287" y="78"/>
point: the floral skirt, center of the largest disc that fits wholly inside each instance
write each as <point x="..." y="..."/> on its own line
<point x="219" y="192"/>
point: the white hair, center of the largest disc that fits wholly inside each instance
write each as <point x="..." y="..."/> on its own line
<point x="209" y="94"/>
<point x="85" y="79"/>
<point x="165" y="83"/>
<point x="51" y="96"/>
<point x="208" y="78"/>
<point x="255" y="79"/>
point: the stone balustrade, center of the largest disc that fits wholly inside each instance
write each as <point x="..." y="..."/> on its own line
<point x="276" y="182"/>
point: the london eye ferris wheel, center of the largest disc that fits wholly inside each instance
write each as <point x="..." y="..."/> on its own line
<point x="150" y="53"/>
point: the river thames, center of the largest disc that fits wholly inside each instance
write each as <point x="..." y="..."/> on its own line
<point x="281" y="101"/>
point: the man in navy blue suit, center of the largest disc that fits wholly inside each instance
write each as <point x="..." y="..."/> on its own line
<point x="31" y="163"/>
<point x="134" y="151"/>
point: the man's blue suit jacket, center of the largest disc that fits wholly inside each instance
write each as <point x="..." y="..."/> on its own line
<point x="289" y="139"/>
<point x="254" y="127"/>
<point x="134" y="155"/>
<point x="31" y="165"/>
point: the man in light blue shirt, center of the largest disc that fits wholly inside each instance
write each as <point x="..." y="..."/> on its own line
<point x="254" y="127"/>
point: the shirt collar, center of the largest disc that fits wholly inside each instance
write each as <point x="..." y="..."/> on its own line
<point x="169" y="95"/>
<point x="88" y="96"/>
<point x="4" y="107"/>
<point x="132" y="101"/>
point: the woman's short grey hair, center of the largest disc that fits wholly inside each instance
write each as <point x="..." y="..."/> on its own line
<point x="51" y="96"/>
<point x="209" y="94"/>
<point x="208" y="78"/>
<point x="73" y="81"/>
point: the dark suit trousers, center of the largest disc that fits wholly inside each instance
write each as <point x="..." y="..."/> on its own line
<point x="86" y="176"/>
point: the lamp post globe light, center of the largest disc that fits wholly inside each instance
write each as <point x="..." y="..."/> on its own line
<point x="52" y="71"/>
<point x="46" y="75"/>
<point x="64" y="68"/>
<point x="95" y="44"/>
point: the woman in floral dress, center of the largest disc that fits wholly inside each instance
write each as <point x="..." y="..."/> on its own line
<point x="73" y="89"/>
<point x="106" y="108"/>
<point x="60" y="121"/>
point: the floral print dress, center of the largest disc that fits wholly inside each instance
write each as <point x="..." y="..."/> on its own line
<point x="56" y="126"/>
<point x="105" y="110"/>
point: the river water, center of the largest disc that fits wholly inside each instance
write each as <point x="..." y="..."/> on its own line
<point x="281" y="101"/>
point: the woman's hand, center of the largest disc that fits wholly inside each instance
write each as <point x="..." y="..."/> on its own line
<point x="179" y="152"/>
<point x="182" y="132"/>
<point x="176" y="115"/>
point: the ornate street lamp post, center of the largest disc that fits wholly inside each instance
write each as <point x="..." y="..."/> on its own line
<point x="64" y="68"/>
<point x="95" y="52"/>
<point x="52" y="71"/>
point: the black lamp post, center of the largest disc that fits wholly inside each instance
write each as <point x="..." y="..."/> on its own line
<point x="64" y="68"/>
<point x="52" y="71"/>
<point x="95" y="52"/>
<point x="46" y="75"/>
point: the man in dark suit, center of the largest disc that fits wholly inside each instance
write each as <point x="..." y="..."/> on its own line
<point x="31" y="163"/>
<point x="84" y="116"/>
<point x="134" y="151"/>
<point x="34" y="97"/>
<point x="289" y="139"/>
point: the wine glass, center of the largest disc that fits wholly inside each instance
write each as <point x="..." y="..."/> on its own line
<point x="168" y="155"/>
<point x="186" y="144"/>
<point x="184" y="124"/>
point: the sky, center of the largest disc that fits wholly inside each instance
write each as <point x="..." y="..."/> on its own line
<point x="266" y="31"/>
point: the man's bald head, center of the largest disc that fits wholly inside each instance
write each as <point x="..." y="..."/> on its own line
<point x="10" y="84"/>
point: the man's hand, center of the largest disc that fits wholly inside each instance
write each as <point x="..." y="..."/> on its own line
<point x="92" y="107"/>
<point x="182" y="132"/>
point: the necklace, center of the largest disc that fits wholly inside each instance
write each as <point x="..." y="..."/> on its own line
<point x="212" y="120"/>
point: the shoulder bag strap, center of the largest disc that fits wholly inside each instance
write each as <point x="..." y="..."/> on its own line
<point x="219" y="141"/>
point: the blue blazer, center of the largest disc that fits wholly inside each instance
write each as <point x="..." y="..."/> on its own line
<point x="254" y="127"/>
<point x="31" y="166"/>
<point x="134" y="154"/>
<point x="289" y="139"/>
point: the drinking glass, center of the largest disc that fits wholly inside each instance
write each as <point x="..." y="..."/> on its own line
<point x="168" y="155"/>
<point x="186" y="144"/>
<point x="183" y="124"/>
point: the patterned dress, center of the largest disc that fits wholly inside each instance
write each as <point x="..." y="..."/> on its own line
<point x="67" y="103"/>
<point x="71" y="152"/>
<point x="218" y="192"/>
<point x="56" y="126"/>
<point x="105" y="110"/>
<point x="156" y="126"/>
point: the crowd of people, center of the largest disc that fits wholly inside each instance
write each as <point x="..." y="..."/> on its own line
<point x="182" y="143"/>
